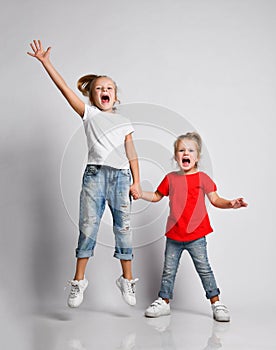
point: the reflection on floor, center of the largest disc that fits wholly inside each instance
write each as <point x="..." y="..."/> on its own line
<point x="127" y="329"/>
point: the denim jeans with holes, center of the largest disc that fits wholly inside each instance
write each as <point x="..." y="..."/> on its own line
<point x="198" y="252"/>
<point x="102" y="184"/>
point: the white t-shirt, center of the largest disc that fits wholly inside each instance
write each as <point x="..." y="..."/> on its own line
<point x="106" y="134"/>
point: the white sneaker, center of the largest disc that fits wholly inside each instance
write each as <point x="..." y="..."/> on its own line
<point x="127" y="288"/>
<point x="75" y="297"/>
<point x="158" y="308"/>
<point x="220" y="312"/>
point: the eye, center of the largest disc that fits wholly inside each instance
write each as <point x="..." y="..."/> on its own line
<point x="110" y="88"/>
<point x="191" y="150"/>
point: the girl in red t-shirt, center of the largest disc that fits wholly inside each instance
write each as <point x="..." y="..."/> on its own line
<point x="188" y="224"/>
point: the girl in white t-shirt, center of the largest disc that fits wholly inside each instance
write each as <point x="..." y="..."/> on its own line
<point x="107" y="177"/>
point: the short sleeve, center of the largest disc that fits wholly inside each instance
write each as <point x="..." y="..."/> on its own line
<point x="208" y="184"/>
<point x="89" y="111"/>
<point x="128" y="129"/>
<point x="163" y="188"/>
<point x="126" y="124"/>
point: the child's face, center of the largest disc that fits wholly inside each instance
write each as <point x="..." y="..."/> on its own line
<point x="186" y="155"/>
<point x="104" y="94"/>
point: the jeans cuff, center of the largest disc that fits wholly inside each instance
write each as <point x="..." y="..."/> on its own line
<point x="123" y="256"/>
<point x="212" y="293"/>
<point x="80" y="253"/>
<point x="165" y="296"/>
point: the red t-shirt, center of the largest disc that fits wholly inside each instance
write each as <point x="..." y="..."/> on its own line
<point x="188" y="219"/>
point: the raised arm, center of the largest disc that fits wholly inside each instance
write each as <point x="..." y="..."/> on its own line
<point x="223" y="203"/>
<point x="44" y="57"/>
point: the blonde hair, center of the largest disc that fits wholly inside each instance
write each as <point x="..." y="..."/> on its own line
<point x="194" y="136"/>
<point x="86" y="83"/>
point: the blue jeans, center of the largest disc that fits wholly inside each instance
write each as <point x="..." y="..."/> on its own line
<point x="198" y="252"/>
<point x="103" y="184"/>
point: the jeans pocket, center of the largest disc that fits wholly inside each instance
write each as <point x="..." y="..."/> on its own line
<point x="92" y="170"/>
<point x="125" y="172"/>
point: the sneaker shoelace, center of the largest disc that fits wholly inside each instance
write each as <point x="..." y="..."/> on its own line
<point x="75" y="289"/>
<point x="131" y="286"/>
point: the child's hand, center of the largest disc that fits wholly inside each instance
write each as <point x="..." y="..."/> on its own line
<point x="238" y="203"/>
<point x="38" y="51"/>
<point x="136" y="191"/>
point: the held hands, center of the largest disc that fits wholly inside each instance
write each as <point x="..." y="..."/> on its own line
<point x="38" y="51"/>
<point x="136" y="191"/>
<point x="238" y="203"/>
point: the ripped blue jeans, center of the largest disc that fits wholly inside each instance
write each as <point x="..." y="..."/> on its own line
<point x="198" y="252"/>
<point x="103" y="184"/>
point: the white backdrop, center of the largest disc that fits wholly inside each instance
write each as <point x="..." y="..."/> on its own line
<point x="210" y="65"/>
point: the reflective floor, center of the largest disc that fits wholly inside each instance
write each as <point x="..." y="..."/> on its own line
<point x="126" y="328"/>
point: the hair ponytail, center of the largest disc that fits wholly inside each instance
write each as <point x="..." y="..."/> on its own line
<point x="85" y="82"/>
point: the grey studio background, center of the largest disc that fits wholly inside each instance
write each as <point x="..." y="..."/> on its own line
<point x="204" y="64"/>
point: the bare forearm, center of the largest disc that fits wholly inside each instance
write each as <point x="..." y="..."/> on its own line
<point x="75" y="102"/>
<point x="222" y="203"/>
<point x="132" y="158"/>
<point x="134" y="167"/>
<point x="151" y="196"/>
<point x="55" y="76"/>
<point x="44" y="57"/>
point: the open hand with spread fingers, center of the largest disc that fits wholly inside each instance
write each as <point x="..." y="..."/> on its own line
<point x="38" y="51"/>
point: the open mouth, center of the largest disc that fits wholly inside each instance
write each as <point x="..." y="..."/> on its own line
<point x="105" y="99"/>
<point x="186" y="161"/>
